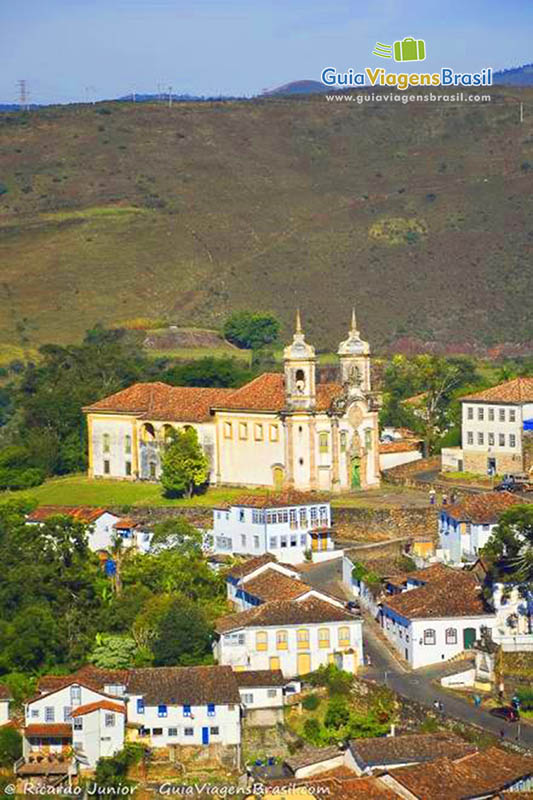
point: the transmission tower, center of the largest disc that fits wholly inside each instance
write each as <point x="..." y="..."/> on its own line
<point x="23" y="94"/>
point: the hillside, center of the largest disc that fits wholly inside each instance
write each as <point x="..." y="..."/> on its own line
<point x="419" y="213"/>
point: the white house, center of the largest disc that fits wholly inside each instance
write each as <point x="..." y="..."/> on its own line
<point x="496" y="426"/>
<point x="438" y="616"/>
<point x="262" y="696"/>
<point x="296" y="637"/>
<point x="394" y="454"/>
<point x="74" y="716"/>
<point x="5" y="699"/>
<point x="287" y="525"/>
<point x="466" y="527"/>
<point x="185" y="706"/>
<point x="262" y="580"/>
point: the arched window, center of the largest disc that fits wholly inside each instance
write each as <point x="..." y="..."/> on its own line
<point x="127" y="444"/>
<point x="344" y="441"/>
<point x="299" y="381"/>
<point x="430" y="636"/>
<point x="344" y="636"/>
<point x="281" y="640"/>
<point x="148" y="432"/>
<point x="261" y="640"/>
<point x="106" y="442"/>
<point x="302" y="638"/>
<point x="451" y="635"/>
<point x="323" y="637"/>
<point x="323" y="442"/>
<point x="167" y="432"/>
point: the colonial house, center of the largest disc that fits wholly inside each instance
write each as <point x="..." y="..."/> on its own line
<point x="268" y="582"/>
<point x="440" y="614"/>
<point x="279" y="430"/>
<point x="185" y="706"/>
<point x="289" y="525"/>
<point x="5" y="699"/>
<point x="295" y="637"/>
<point x="262" y="696"/>
<point x="466" y="527"/>
<point x="375" y="755"/>
<point x="497" y="431"/>
<point x="381" y="576"/>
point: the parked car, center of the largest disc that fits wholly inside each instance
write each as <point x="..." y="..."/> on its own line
<point x="508" y="713"/>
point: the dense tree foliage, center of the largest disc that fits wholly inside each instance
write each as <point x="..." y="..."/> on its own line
<point x="184" y="465"/>
<point x="210" y="371"/>
<point x="251" y="329"/>
<point x="184" y="636"/>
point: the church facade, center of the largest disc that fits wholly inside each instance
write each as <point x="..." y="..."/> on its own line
<point x="280" y="430"/>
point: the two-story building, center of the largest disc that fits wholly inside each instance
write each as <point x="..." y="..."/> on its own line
<point x="288" y="525"/>
<point x="262" y="696"/>
<point x="496" y="431"/>
<point x="466" y="527"/>
<point x="294" y="636"/>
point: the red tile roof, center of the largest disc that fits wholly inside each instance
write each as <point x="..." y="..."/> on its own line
<point x="185" y="685"/>
<point x="285" y="612"/>
<point x="105" y="705"/>
<point x="85" y="514"/>
<point x="273" y="585"/>
<point x="399" y="447"/>
<point x="267" y="393"/>
<point x="125" y="523"/>
<point x="284" y="499"/>
<point x="59" y="729"/>
<point x="260" y="677"/>
<point x="249" y="566"/>
<point x="516" y="391"/>
<point x="159" y="401"/>
<point x="92" y="677"/>
<point x="453" y="594"/>
<point x="408" y="748"/>
<point x="482" y="508"/>
<point x="332" y="788"/>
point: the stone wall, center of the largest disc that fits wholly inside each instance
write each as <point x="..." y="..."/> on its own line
<point x="505" y="462"/>
<point x="375" y="525"/>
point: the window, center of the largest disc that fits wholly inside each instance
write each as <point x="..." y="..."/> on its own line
<point x="344" y="636"/>
<point x="128" y="467"/>
<point x="153" y="467"/>
<point x="368" y="438"/>
<point x="241" y="514"/>
<point x="107" y="469"/>
<point x="274" y="433"/>
<point x="243" y="430"/>
<point x="512" y="440"/>
<point x="429" y="636"/>
<point x="501" y="414"/>
<point x="303" y="539"/>
<point x="314" y="516"/>
<point x="157" y="732"/>
<point x="293" y="518"/>
<point x="210" y="709"/>
<point x="162" y="710"/>
<point x="188" y="731"/>
<point x="281" y="640"/>
<point x="214" y="731"/>
<point x="106" y="442"/>
<point x="228" y="430"/>
<point x="470" y="412"/>
<point x="77" y="723"/>
<point x="272" y="692"/>
<point x="302" y="638"/>
<point x="248" y="699"/>
<point x="323" y="442"/>
<point x="512" y="415"/>
<point x="186" y="711"/>
<point x="491" y="439"/>
<point x="258" y="432"/>
<point x="75" y="695"/>
<point x="273" y="542"/>
<point x="49" y="714"/>
<point x="256" y="542"/>
<point x="234" y="638"/>
<point x="110" y="720"/>
<point x="66" y="713"/>
<point x="480" y="412"/>
<point x="303" y="518"/>
<point x="261" y="640"/>
<point x="258" y="517"/>
<point x="470" y="437"/>
<point x="491" y="415"/>
<point x="172" y="732"/>
<point x="283" y="541"/>
<point x="35" y="713"/>
<point x="343" y="441"/>
<point x="451" y="635"/>
<point x="140" y="705"/>
<point x="501" y="439"/>
<point x="294" y="540"/>
<point x="480" y="438"/>
<point x="127" y="444"/>
<point x="323" y="637"/>
<point x="323" y="511"/>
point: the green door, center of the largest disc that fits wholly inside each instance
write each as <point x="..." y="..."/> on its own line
<point x="356" y="472"/>
<point x="469" y="637"/>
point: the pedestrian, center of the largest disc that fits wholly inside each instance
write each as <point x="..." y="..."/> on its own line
<point x="432" y="494"/>
<point x="444" y="499"/>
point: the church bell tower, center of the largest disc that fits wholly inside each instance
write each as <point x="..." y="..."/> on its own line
<point x="354" y="355"/>
<point x="300" y="371"/>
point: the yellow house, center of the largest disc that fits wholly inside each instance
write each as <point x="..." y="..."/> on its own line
<point x="280" y="430"/>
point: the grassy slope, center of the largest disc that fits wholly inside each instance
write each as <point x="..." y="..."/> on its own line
<point x="267" y="205"/>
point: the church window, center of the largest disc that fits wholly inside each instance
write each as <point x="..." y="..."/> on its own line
<point x="127" y="444"/>
<point x="106" y="467"/>
<point x="301" y="462"/>
<point x="228" y="430"/>
<point x="128" y="467"/>
<point x="343" y="441"/>
<point x="323" y="443"/>
<point x="274" y="433"/>
<point x="106" y="439"/>
<point x="152" y="469"/>
<point x="258" y="432"/>
<point x="300" y="381"/>
<point x="243" y="430"/>
<point x="300" y="429"/>
<point x="368" y="438"/>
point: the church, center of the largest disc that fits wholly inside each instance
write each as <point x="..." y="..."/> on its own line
<point x="280" y="430"/>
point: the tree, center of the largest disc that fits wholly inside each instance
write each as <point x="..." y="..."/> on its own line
<point x="184" y="465"/>
<point x="209" y="371"/>
<point x="10" y="746"/>
<point x="115" y="652"/>
<point x="184" y="637"/>
<point x="178" y="534"/>
<point x="251" y="330"/>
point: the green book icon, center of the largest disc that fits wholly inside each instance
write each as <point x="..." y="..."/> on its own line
<point x="410" y="49"/>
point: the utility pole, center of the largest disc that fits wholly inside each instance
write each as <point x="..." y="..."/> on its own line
<point x="170" y="96"/>
<point x="23" y="94"/>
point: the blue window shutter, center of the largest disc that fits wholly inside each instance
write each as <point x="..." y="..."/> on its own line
<point x="140" y="705"/>
<point x="211" y="709"/>
<point x="161" y="710"/>
<point x="186" y="711"/>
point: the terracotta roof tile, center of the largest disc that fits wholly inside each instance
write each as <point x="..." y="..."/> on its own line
<point x="86" y="514"/>
<point x="341" y="788"/>
<point x="482" y="508"/>
<point x="415" y="748"/>
<point x="399" y="447"/>
<point x="260" y="677"/>
<point x="453" y="594"/>
<point x="273" y="585"/>
<point x="278" y="499"/>
<point x="159" y="401"/>
<point x="90" y="676"/>
<point x="516" y="391"/>
<point x="105" y="705"/>
<point x="285" y="612"/>
<point x="476" y="775"/>
<point x="185" y="685"/>
<point x="267" y="393"/>
<point x="249" y="566"/>
<point x="59" y="729"/>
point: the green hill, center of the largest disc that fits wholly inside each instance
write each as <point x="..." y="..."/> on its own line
<point x="420" y="213"/>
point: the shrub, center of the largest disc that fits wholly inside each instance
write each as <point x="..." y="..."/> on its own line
<point x="526" y="699"/>
<point x="10" y="746"/>
<point x="311" y="702"/>
<point x="20" y="478"/>
<point x="313" y="731"/>
<point x="337" y="714"/>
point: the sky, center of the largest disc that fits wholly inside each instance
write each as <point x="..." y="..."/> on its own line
<point x="79" y="50"/>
